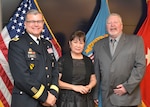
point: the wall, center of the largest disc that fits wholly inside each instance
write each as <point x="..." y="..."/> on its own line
<point x="66" y="16"/>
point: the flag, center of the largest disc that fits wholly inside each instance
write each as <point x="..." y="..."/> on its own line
<point x="144" y="31"/>
<point x="97" y="30"/>
<point x="15" y="28"/>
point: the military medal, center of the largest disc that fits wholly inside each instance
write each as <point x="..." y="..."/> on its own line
<point x="31" y="54"/>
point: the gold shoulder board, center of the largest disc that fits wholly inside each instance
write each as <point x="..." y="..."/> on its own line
<point x="15" y="39"/>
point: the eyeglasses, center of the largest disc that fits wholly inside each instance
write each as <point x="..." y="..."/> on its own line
<point x="33" y="21"/>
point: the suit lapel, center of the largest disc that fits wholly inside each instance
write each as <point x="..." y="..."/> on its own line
<point x="106" y="47"/>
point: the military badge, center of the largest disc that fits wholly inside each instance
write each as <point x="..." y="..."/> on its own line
<point x="31" y="54"/>
<point x="31" y="66"/>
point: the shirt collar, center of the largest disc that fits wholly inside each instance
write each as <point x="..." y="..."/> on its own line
<point x="117" y="39"/>
<point x="34" y="37"/>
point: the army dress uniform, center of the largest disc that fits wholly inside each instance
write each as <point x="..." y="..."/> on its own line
<point x="34" y="70"/>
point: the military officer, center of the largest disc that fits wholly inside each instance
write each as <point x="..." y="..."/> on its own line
<point x="33" y="66"/>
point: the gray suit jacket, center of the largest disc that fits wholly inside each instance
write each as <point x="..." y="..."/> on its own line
<point x="127" y="67"/>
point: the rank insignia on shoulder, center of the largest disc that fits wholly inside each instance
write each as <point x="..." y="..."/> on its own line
<point x="15" y="39"/>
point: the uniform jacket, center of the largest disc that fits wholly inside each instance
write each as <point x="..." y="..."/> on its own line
<point x="126" y="67"/>
<point x="34" y="70"/>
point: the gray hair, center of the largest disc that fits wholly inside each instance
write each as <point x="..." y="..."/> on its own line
<point x="115" y="14"/>
<point x="32" y="11"/>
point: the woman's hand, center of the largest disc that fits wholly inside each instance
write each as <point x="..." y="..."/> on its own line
<point x="81" y="89"/>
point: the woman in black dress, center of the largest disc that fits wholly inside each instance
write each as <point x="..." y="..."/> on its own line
<point x="76" y="75"/>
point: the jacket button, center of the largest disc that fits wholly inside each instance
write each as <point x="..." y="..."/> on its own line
<point x="48" y="76"/>
<point x="21" y="92"/>
<point x="46" y="68"/>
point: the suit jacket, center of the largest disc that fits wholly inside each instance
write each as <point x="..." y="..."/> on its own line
<point x="34" y="70"/>
<point x="126" y="67"/>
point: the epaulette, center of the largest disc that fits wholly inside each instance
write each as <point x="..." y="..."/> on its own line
<point x="15" y="39"/>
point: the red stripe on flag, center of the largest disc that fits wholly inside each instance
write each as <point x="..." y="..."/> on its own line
<point x="6" y="80"/>
<point x="56" y="47"/>
<point x="3" y="47"/>
<point x="4" y="101"/>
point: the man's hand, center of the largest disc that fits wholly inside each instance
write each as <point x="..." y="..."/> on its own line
<point x="50" y="101"/>
<point x="96" y="102"/>
<point x="120" y="90"/>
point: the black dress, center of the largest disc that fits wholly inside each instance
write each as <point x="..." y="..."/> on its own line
<point x="70" y="98"/>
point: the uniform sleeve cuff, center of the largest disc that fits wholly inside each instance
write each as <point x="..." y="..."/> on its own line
<point x="54" y="93"/>
<point x="41" y="94"/>
<point x="54" y="87"/>
<point x="54" y="90"/>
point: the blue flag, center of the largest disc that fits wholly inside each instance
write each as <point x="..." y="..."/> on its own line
<point x="95" y="33"/>
<point x="97" y="30"/>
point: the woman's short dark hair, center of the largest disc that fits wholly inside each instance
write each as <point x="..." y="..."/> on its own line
<point x="79" y="34"/>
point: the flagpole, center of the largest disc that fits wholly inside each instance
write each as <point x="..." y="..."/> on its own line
<point x="1" y="15"/>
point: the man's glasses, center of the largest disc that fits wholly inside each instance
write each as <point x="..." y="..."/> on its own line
<point x="33" y="21"/>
